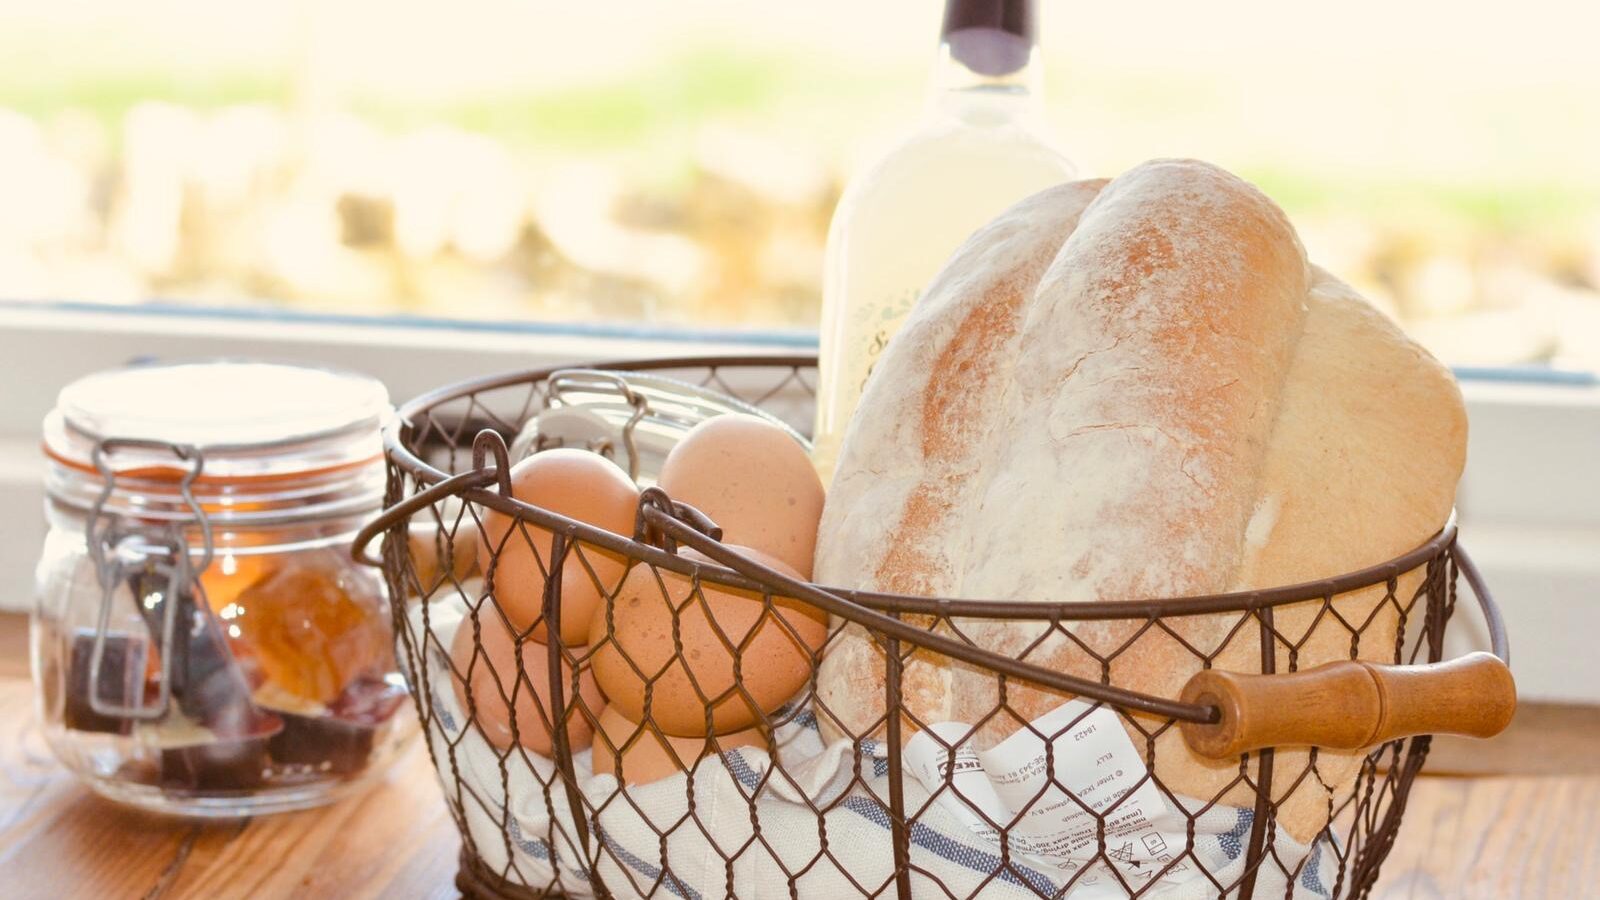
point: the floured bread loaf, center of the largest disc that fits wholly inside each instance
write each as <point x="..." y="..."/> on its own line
<point x="1130" y="390"/>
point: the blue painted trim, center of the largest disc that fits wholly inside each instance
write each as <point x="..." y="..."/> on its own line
<point x="159" y="309"/>
<point x="1527" y="375"/>
<point x="785" y="338"/>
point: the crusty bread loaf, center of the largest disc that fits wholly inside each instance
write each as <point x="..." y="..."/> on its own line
<point x="1131" y="390"/>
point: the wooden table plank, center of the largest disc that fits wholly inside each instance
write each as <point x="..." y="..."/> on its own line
<point x="58" y="839"/>
<point x="1503" y="837"/>
<point x="1492" y="838"/>
<point x="389" y="841"/>
<point x="393" y="840"/>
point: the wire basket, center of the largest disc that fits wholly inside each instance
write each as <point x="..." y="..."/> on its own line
<point x="744" y="822"/>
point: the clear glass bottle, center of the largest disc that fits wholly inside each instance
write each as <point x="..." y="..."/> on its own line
<point x="203" y="643"/>
<point x="978" y="151"/>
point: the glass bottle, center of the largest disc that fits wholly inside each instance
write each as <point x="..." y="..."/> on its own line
<point x="978" y="150"/>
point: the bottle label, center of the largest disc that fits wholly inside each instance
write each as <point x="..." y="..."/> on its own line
<point x="891" y="314"/>
<point x="870" y="330"/>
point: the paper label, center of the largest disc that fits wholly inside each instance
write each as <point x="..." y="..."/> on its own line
<point x="1094" y="759"/>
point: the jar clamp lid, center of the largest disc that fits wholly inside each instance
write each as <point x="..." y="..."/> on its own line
<point x="152" y="453"/>
<point x="273" y="440"/>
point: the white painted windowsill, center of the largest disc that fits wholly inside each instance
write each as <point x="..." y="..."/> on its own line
<point x="1529" y="504"/>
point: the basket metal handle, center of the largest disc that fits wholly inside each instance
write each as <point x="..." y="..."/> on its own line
<point x="1347" y="705"/>
<point x="833" y="604"/>
<point x="1350" y="704"/>
<point x="1355" y="704"/>
<point x="668" y="524"/>
<point x="1474" y="695"/>
<point x="411" y="505"/>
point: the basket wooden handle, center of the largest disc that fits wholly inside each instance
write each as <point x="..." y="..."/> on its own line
<point x="1350" y="704"/>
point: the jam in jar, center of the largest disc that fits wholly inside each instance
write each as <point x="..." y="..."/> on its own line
<point x="202" y="641"/>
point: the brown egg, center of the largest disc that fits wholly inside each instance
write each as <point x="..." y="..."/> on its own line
<point x="532" y="694"/>
<point x="753" y="479"/>
<point x="648" y="758"/>
<point x="776" y="661"/>
<point x="576" y="484"/>
<point x="429" y="543"/>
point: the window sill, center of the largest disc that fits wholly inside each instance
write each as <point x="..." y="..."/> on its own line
<point x="1529" y="502"/>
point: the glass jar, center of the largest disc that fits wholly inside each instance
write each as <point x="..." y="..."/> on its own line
<point x="202" y="641"/>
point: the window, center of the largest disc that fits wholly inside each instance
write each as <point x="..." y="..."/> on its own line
<point x="430" y="191"/>
<point x="677" y="164"/>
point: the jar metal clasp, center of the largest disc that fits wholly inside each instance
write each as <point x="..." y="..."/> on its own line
<point x="122" y="547"/>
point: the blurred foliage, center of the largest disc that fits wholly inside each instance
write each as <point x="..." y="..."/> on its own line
<point x="666" y="189"/>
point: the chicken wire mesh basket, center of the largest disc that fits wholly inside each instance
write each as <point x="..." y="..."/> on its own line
<point x="796" y="803"/>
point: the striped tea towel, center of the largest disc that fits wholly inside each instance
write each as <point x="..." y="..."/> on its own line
<point x="742" y="827"/>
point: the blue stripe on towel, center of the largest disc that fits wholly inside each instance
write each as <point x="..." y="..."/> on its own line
<point x="1233" y="841"/>
<point x="953" y="850"/>
<point x="1311" y="878"/>
<point x="880" y="764"/>
<point x="649" y="870"/>
<point x="921" y="835"/>
<point x="538" y="848"/>
<point x="741" y="770"/>
<point x="442" y="712"/>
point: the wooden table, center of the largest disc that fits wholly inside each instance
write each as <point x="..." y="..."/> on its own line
<point x="1521" y="818"/>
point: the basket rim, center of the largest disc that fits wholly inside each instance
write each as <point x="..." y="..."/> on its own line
<point x="478" y="486"/>
<point x="486" y="483"/>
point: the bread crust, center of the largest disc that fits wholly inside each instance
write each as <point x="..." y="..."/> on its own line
<point x="1132" y="390"/>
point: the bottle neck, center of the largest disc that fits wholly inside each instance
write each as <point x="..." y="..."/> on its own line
<point x="954" y="75"/>
<point x="988" y="57"/>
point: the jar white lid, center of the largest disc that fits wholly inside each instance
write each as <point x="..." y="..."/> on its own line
<point x="250" y="419"/>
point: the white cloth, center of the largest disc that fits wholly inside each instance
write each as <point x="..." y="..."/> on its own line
<point x="821" y="794"/>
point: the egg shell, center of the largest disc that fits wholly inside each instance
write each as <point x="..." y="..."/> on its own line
<point x="493" y="669"/>
<point x="775" y="663"/>
<point x="579" y="485"/>
<point x="650" y="756"/>
<point x="755" y="481"/>
<point x="428" y="543"/>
